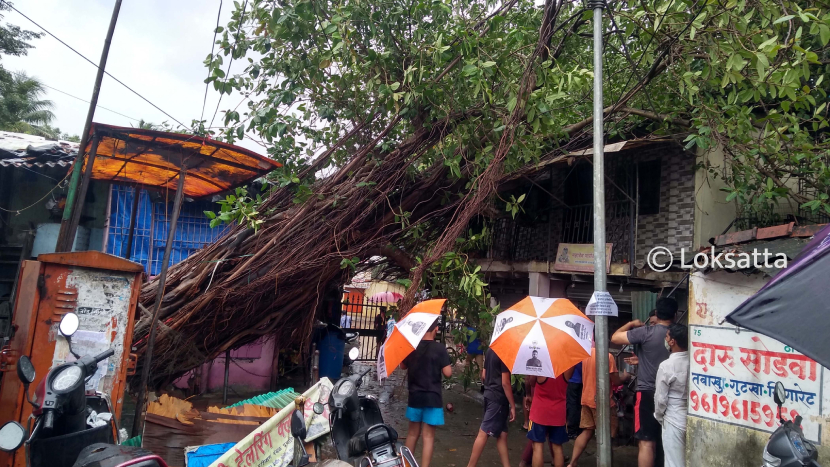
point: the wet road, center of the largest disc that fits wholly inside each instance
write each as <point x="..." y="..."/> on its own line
<point x="454" y="440"/>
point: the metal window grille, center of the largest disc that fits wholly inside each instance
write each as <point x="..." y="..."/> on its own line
<point x="152" y="222"/>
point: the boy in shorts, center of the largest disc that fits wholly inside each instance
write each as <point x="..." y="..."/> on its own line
<point x="547" y="417"/>
<point x="499" y="408"/>
<point x="425" y="409"/>
<point x="589" y="403"/>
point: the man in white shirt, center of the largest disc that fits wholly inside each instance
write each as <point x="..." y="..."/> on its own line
<point x="670" y="399"/>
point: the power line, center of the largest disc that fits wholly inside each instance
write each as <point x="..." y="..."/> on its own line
<point x="93" y="63"/>
<point x="212" y="48"/>
<point x="238" y="29"/>
<point x="86" y="101"/>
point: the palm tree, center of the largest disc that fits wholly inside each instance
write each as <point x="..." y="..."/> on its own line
<point x="21" y="108"/>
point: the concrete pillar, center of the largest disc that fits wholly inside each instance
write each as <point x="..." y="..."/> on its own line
<point x="539" y="284"/>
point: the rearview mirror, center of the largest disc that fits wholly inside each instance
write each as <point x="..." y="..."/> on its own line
<point x="318" y="408"/>
<point x="780" y="394"/>
<point x="12" y="435"/>
<point x="69" y="324"/>
<point x="25" y="370"/>
<point x="298" y="429"/>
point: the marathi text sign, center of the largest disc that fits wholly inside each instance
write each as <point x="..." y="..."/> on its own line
<point x="732" y="376"/>
<point x="271" y="444"/>
<point x="579" y="257"/>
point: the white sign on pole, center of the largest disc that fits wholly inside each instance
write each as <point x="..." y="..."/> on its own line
<point x="601" y="304"/>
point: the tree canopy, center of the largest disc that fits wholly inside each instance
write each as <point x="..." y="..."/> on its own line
<point x="329" y="77"/>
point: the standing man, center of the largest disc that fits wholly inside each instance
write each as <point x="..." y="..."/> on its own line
<point x="670" y="400"/>
<point x="588" y="415"/>
<point x="547" y="417"/>
<point x="499" y="408"/>
<point x="425" y="409"/>
<point x="345" y="320"/>
<point x="651" y="352"/>
<point x="574" y="405"/>
<point x="380" y="327"/>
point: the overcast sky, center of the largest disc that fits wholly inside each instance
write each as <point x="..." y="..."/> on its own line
<point x="158" y="49"/>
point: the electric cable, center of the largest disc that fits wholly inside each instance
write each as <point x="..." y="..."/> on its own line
<point x="93" y="63"/>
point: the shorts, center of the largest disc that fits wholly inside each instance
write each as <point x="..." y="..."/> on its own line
<point x="646" y="427"/>
<point x="588" y="419"/>
<point x="430" y="415"/>
<point x="494" y="421"/>
<point x="555" y="434"/>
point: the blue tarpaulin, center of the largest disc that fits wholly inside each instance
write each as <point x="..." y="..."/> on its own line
<point x="192" y="233"/>
<point x="203" y="456"/>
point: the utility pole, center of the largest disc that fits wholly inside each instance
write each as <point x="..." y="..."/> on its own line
<point x="69" y="224"/>
<point x="601" y="323"/>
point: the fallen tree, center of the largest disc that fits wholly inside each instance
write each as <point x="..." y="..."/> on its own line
<point x="396" y="122"/>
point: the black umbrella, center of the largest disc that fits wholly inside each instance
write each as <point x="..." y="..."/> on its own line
<point x="794" y="307"/>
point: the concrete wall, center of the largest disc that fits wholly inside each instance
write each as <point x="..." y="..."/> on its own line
<point x="250" y="369"/>
<point x="712" y="213"/>
<point x="731" y="426"/>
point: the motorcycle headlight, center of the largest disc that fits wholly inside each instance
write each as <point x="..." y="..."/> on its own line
<point x="67" y="378"/>
<point x="770" y="460"/>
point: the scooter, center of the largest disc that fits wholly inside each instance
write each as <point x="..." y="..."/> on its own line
<point x="357" y="430"/>
<point x="62" y="411"/>
<point x="787" y="446"/>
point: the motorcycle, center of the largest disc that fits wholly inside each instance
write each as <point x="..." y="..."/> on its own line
<point x="62" y="412"/>
<point x="787" y="446"/>
<point x="358" y="433"/>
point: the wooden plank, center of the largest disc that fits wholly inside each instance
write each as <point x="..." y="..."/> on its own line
<point x="807" y="230"/>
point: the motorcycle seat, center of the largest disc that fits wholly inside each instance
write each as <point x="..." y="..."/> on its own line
<point x="377" y="437"/>
<point x="350" y="335"/>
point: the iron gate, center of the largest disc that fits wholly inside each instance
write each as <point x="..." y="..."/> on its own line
<point x="360" y="314"/>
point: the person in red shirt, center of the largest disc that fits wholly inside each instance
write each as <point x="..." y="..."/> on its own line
<point x="547" y="417"/>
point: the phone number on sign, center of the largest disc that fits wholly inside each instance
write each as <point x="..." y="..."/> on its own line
<point x="737" y="409"/>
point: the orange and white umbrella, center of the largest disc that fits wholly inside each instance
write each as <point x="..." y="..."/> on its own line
<point x="406" y="335"/>
<point x="542" y="336"/>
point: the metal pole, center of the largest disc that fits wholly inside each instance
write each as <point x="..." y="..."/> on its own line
<point x="75" y="219"/>
<point x="65" y="237"/>
<point x="128" y="251"/>
<point x="601" y="326"/>
<point x="138" y="422"/>
<point x="227" y="374"/>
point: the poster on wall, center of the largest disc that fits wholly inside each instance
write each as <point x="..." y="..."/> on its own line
<point x="732" y="375"/>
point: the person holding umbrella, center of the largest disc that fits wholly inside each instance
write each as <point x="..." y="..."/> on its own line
<point x="544" y="338"/>
<point x="412" y="345"/>
<point x="425" y="410"/>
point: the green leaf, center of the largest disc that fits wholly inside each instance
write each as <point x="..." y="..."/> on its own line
<point x="469" y="70"/>
<point x="783" y="18"/>
<point x="824" y="33"/>
<point x="210" y="214"/>
<point x="487" y="64"/>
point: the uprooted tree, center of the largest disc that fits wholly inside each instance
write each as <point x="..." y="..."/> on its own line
<point x="396" y="120"/>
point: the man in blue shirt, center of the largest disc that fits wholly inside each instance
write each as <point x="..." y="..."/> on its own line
<point x="573" y="406"/>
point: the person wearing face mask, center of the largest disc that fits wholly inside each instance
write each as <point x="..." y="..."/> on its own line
<point x="650" y="351"/>
<point x="670" y="400"/>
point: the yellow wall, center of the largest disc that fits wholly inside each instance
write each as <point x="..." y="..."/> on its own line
<point x="712" y="213"/>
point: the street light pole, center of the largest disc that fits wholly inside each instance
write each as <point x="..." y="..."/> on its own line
<point x="601" y="323"/>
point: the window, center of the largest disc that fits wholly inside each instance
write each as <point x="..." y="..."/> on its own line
<point x="579" y="185"/>
<point x="649" y="187"/>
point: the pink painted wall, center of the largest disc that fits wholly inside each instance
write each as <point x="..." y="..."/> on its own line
<point x="250" y="369"/>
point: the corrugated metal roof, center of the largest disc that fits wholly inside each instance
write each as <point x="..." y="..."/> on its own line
<point x="23" y="163"/>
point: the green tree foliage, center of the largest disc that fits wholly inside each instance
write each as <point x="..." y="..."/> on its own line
<point x="747" y="76"/>
<point x="21" y="108"/>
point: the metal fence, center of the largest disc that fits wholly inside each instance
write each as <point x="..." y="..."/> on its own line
<point x="360" y="314"/>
